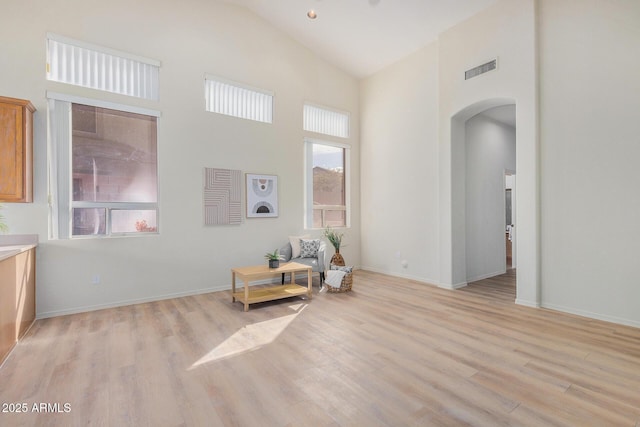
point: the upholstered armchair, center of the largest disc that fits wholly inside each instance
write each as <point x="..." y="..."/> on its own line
<point x="317" y="262"/>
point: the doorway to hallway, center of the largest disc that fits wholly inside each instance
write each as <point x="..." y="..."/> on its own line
<point x="509" y="213"/>
<point x="489" y="159"/>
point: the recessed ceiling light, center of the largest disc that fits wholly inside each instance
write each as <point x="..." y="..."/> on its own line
<point x="312" y="14"/>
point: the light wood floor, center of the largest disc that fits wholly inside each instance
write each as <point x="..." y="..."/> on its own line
<point x="393" y="352"/>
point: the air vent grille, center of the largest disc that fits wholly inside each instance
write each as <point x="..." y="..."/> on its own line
<point x="481" y="69"/>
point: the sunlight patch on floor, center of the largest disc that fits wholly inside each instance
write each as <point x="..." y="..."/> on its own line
<point x="250" y="337"/>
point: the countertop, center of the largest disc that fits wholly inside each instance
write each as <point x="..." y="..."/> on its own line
<point x="13" y="245"/>
<point x="9" y="251"/>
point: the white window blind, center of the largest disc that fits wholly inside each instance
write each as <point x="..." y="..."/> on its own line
<point x="82" y="64"/>
<point x="325" y="121"/>
<point x="233" y="99"/>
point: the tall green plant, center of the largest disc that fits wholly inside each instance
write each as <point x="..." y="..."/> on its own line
<point x="333" y="237"/>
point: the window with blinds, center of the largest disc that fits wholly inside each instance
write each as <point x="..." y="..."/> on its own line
<point x="326" y="121"/>
<point x="237" y="100"/>
<point x="82" y="64"/>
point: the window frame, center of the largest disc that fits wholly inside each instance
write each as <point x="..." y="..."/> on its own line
<point x="60" y="170"/>
<point x="308" y="181"/>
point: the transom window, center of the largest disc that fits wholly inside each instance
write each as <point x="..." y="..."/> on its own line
<point x="237" y="100"/>
<point x="325" y="120"/>
<point x="83" y="64"/>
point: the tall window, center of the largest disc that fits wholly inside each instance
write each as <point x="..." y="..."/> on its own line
<point x="103" y="177"/>
<point x="326" y="167"/>
<point x="103" y="169"/>
<point x="326" y="178"/>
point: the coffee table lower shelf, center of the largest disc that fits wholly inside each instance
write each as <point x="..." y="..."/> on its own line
<point x="271" y="293"/>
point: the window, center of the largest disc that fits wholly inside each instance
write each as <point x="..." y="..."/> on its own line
<point x="103" y="168"/>
<point x="83" y="64"/>
<point x="326" y="121"/>
<point x="234" y="99"/>
<point x="327" y="168"/>
<point x="326" y="184"/>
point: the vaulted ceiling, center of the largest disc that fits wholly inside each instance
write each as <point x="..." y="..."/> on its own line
<point x="363" y="36"/>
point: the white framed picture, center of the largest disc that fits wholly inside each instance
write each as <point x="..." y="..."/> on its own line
<point x="262" y="196"/>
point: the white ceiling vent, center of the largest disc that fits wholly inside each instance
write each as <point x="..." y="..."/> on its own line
<point x="481" y="69"/>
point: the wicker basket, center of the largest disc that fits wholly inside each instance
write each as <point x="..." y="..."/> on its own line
<point x="345" y="286"/>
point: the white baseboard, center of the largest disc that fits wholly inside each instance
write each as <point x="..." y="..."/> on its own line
<point x="84" y="309"/>
<point x="485" y="276"/>
<point x="426" y="281"/>
<point x="592" y="315"/>
<point x="526" y="303"/>
<point x="403" y="276"/>
<point x="454" y="286"/>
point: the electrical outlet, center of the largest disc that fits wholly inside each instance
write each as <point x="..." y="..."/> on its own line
<point x="95" y="280"/>
<point x="398" y="254"/>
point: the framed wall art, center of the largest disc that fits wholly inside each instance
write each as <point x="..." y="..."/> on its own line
<point x="262" y="196"/>
<point x="222" y="195"/>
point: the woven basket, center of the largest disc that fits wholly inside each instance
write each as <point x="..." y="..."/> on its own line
<point x="345" y="286"/>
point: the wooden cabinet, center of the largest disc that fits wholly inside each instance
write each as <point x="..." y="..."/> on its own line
<point x="17" y="298"/>
<point x="16" y="150"/>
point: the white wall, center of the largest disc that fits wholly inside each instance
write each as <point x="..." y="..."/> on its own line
<point x="505" y="31"/>
<point x="590" y="149"/>
<point x="189" y="38"/>
<point x="408" y="167"/>
<point x="399" y="168"/>
<point x="490" y="150"/>
<point x="577" y="187"/>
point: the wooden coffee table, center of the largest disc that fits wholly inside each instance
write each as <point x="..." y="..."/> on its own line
<point x="268" y="293"/>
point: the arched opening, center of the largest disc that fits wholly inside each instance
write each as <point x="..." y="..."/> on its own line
<point x="454" y="241"/>
<point x="490" y="166"/>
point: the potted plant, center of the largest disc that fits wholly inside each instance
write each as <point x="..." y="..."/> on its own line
<point x="3" y="226"/>
<point x="273" y="258"/>
<point x="335" y="239"/>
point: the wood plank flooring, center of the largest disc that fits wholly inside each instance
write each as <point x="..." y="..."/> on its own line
<point x="391" y="353"/>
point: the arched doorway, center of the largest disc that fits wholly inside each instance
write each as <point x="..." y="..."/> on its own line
<point x="453" y="202"/>
<point x="490" y="153"/>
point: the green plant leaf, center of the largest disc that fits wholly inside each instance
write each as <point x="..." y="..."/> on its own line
<point x="333" y="237"/>
<point x="3" y="226"/>
<point x="273" y="256"/>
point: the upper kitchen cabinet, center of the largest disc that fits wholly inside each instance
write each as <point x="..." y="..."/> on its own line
<point x="16" y="150"/>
